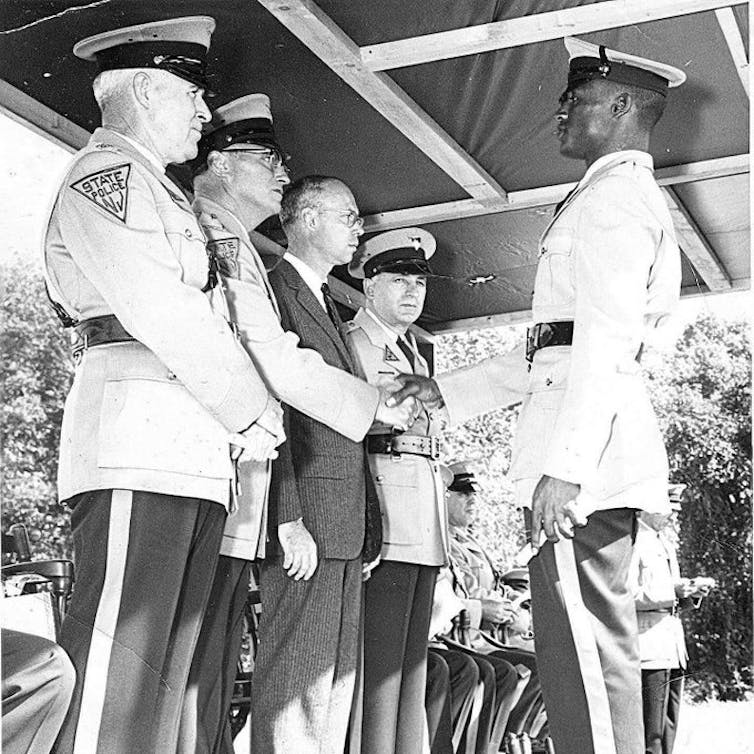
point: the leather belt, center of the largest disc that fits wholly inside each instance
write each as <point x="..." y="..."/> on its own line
<point x="417" y="445"/>
<point x="545" y="334"/>
<point x="98" y="331"/>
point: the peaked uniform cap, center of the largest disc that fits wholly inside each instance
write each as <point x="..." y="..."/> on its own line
<point x="464" y="479"/>
<point x="246" y="120"/>
<point x="176" y="45"/>
<point x="406" y="250"/>
<point x="589" y="61"/>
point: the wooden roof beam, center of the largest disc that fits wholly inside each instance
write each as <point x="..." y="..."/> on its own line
<point x="316" y="30"/>
<point x="41" y="119"/>
<point x="735" y="42"/>
<point x="545" y="195"/>
<point x="695" y="246"/>
<point x="500" y="35"/>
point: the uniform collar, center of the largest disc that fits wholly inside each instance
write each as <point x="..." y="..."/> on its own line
<point x="391" y="334"/>
<point x="627" y="155"/>
<point x="142" y="150"/>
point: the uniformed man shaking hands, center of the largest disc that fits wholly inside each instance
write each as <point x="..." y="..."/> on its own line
<point x="161" y="389"/>
<point x="588" y="449"/>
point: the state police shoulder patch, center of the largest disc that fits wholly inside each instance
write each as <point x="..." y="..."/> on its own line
<point x="225" y="253"/>
<point x="108" y="189"/>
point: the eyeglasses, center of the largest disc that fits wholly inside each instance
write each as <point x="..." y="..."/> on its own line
<point x="272" y="159"/>
<point x="350" y="218"/>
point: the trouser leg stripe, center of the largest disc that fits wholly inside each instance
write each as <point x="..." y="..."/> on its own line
<point x="586" y="648"/>
<point x="106" y="619"/>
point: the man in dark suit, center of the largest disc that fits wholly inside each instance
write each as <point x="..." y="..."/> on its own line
<point x="311" y="593"/>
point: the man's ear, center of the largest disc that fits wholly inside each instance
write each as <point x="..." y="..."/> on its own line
<point x="310" y="217"/>
<point x="368" y="288"/>
<point x="218" y="163"/>
<point x="622" y="104"/>
<point x="143" y="89"/>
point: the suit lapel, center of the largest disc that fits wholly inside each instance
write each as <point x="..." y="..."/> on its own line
<point x="308" y="301"/>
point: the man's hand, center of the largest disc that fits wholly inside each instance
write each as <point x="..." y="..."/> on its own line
<point x="684" y="588"/>
<point x="399" y="416"/>
<point x="258" y="442"/>
<point x="253" y="444"/>
<point x="554" y="509"/>
<point x="497" y="610"/>
<point x="299" y="550"/>
<point x="424" y="389"/>
<point x="367" y="568"/>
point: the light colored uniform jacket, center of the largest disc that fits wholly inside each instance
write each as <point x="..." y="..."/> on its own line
<point x="609" y="261"/>
<point x="652" y="578"/>
<point x="154" y="415"/>
<point x="410" y="487"/>
<point x="297" y="376"/>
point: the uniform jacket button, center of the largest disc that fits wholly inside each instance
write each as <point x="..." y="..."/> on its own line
<point x="548" y="382"/>
<point x="171" y="376"/>
<point x="188" y="232"/>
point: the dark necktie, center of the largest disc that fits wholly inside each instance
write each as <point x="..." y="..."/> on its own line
<point x="407" y="351"/>
<point x="564" y="200"/>
<point x="332" y="310"/>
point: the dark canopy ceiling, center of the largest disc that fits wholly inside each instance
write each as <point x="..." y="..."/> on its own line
<point x="496" y="106"/>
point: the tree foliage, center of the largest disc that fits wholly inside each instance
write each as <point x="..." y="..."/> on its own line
<point x="35" y="374"/>
<point x="702" y="395"/>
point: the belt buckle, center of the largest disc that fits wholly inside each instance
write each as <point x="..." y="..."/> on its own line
<point x="532" y="341"/>
<point x="434" y="448"/>
<point x="78" y="350"/>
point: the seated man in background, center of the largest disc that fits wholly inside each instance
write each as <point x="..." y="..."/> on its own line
<point x="497" y="675"/>
<point x="495" y="611"/>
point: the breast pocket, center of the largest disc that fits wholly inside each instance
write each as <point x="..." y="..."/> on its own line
<point x="188" y="242"/>
<point x="157" y="425"/>
<point x="553" y="279"/>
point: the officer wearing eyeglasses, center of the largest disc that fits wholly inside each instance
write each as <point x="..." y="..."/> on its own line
<point x="239" y="179"/>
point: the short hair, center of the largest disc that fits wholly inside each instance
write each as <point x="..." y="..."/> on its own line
<point x="650" y="106"/>
<point x="304" y="192"/>
<point x="110" y="85"/>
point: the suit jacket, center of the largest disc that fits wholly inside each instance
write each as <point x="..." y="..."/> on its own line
<point x="296" y="375"/>
<point x="320" y="475"/>
<point x="154" y="414"/>
<point x="609" y="262"/>
<point x="409" y="487"/>
<point x="652" y="576"/>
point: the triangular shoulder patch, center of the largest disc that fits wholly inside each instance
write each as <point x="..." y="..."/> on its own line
<point x="108" y="189"/>
<point x="225" y="253"/>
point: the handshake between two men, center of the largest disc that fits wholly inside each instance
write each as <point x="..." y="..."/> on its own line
<point x="400" y="403"/>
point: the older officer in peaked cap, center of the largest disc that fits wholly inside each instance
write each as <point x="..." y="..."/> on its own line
<point x="588" y="450"/>
<point x="405" y="467"/>
<point x="239" y="178"/>
<point x="162" y="396"/>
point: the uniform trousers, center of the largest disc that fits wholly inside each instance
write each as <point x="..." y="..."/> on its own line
<point x="532" y="690"/>
<point x="499" y="680"/>
<point x="205" y="721"/>
<point x="662" y="691"/>
<point x="305" y="669"/>
<point x="586" y="637"/>
<point x="37" y="685"/>
<point x="397" y="609"/>
<point x="144" y="569"/>
<point x="462" y="679"/>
